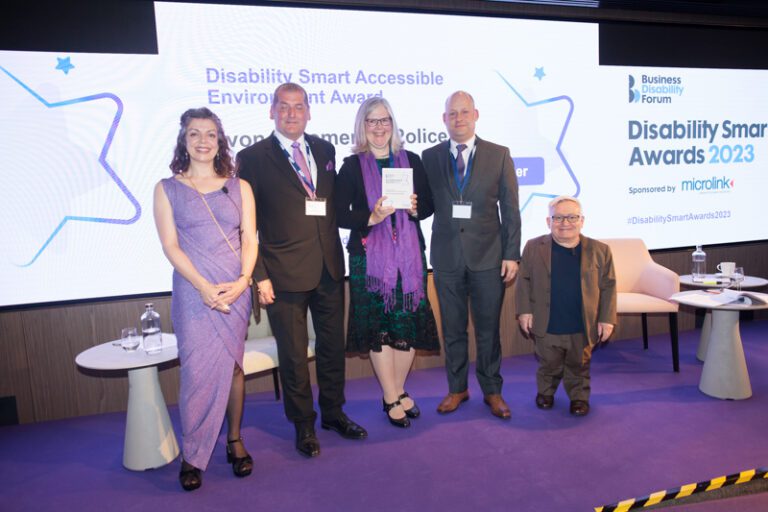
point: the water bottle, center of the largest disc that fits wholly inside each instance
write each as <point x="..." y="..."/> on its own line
<point x="699" y="268"/>
<point x="150" y="330"/>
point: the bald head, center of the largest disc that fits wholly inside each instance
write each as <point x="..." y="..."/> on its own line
<point x="459" y="94"/>
<point x="460" y="116"/>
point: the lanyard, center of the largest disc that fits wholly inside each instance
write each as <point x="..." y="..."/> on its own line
<point x="461" y="184"/>
<point x="307" y="182"/>
<point x="391" y="162"/>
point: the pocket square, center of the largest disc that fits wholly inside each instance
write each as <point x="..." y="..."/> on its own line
<point x="330" y="166"/>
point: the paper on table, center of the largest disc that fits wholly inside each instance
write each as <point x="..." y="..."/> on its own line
<point x="397" y="185"/>
<point x="721" y="297"/>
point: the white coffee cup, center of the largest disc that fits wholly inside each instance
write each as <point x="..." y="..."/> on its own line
<point x="726" y="267"/>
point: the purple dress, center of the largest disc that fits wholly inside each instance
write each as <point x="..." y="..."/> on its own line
<point x="210" y="343"/>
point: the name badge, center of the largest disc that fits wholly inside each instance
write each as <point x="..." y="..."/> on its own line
<point x="315" y="207"/>
<point x="462" y="210"/>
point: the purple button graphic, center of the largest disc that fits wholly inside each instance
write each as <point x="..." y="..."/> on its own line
<point x="530" y="170"/>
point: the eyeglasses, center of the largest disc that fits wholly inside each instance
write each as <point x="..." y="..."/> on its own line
<point x="373" y="123"/>
<point x="572" y="219"/>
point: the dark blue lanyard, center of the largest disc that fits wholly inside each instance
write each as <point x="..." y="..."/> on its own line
<point x="391" y="162"/>
<point x="461" y="184"/>
<point x="298" y="170"/>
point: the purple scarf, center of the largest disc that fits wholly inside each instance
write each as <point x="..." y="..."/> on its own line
<point x="386" y="256"/>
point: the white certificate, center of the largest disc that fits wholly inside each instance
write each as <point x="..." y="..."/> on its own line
<point x="397" y="185"/>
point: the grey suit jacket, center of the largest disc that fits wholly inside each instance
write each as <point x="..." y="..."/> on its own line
<point x="598" y="284"/>
<point x="493" y="232"/>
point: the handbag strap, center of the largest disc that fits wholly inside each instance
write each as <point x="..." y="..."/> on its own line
<point x="212" y="216"/>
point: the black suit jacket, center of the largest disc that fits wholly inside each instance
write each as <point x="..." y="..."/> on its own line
<point x="493" y="232"/>
<point x="293" y="247"/>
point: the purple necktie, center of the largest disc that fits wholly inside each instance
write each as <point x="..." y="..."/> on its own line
<point x="298" y="157"/>
<point x="460" y="165"/>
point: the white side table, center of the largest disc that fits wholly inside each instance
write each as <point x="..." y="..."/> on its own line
<point x="706" y="326"/>
<point x="724" y="374"/>
<point x="149" y="438"/>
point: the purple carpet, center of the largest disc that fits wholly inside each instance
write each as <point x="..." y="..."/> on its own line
<point x="649" y="429"/>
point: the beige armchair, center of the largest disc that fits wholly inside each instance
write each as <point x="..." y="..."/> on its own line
<point x="261" y="349"/>
<point x="644" y="286"/>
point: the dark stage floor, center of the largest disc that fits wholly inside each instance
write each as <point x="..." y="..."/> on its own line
<point x="649" y="429"/>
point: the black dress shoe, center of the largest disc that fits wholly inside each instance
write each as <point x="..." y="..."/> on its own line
<point x="347" y="428"/>
<point x="544" y="401"/>
<point x="579" y="408"/>
<point x="190" y="477"/>
<point x="403" y="422"/>
<point x="241" y="466"/>
<point x="306" y="441"/>
<point x="413" y="412"/>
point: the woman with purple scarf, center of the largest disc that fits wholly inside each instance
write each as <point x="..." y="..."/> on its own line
<point x="389" y="312"/>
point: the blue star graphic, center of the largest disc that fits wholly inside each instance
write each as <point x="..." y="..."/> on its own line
<point x="558" y="146"/>
<point x="540" y="73"/>
<point x="63" y="207"/>
<point x="64" y="64"/>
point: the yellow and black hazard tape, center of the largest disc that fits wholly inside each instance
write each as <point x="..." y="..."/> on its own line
<point x="685" y="491"/>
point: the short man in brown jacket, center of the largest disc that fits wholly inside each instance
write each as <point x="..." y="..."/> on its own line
<point x="566" y="301"/>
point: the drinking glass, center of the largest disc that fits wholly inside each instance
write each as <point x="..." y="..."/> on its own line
<point x="738" y="277"/>
<point x="129" y="339"/>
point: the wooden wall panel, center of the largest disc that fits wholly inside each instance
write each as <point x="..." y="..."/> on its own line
<point x="53" y="338"/>
<point x="14" y="365"/>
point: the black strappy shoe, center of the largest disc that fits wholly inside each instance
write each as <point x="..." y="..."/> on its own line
<point x="190" y="477"/>
<point x="403" y="422"/>
<point x="241" y="466"/>
<point x="413" y="412"/>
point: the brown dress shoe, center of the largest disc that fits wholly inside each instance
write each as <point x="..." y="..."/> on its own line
<point x="544" y="401"/>
<point x="579" y="408"/>
<point x="498" y="406"/>
<point x="452" y="401"/>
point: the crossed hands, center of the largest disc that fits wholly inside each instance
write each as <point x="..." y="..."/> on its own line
<point x="220" y="296"/>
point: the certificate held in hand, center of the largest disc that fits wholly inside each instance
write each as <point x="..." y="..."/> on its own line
<point x="397" y="186"/>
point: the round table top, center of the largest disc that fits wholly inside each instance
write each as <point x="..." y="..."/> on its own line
<point x="748" y="282"/>
<point x="704" y="299"/>
<point x="112" y="357"/>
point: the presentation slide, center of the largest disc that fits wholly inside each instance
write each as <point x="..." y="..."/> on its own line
<point x="673" y="156"/>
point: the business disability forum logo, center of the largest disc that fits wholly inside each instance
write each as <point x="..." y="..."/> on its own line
<point x="655" y="88"/>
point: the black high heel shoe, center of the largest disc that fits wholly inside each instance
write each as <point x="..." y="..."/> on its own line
<point x="414" y="411"/>
<point x="190" y="477"/>
<point x="403" y="422"/>
<point x="241" y="466"/>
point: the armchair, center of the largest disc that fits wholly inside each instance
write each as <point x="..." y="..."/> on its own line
<point x="643" y="286"/>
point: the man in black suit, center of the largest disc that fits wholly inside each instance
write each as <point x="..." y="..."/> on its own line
<point x="475" y="248"/>
<point x="300" y="263"/>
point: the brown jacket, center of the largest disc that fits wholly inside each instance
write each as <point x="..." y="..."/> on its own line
<point x="598" y="284"/>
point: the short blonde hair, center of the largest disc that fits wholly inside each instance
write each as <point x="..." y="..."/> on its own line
<point x="563" y="199"/>
<point x="368" y="106"/>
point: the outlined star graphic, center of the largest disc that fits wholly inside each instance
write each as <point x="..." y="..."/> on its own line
<point x="64" y="64"/>
<point x="100" y="164"/>
<point x="558" y="147"/>
<point x="540" y="73"/>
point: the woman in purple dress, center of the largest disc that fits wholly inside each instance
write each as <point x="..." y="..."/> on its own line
<point x="206" y="219"/>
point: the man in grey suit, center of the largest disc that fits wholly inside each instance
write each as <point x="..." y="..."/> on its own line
<point x="475" y="248"/>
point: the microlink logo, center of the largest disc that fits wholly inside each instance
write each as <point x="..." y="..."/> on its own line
<point x="713" y="184"/>
<point x="634" y="94"/>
